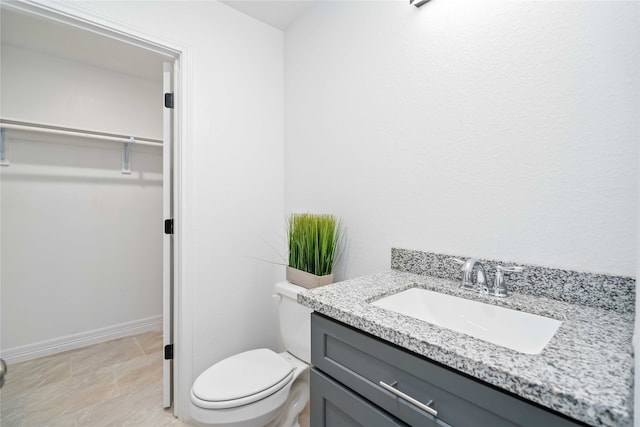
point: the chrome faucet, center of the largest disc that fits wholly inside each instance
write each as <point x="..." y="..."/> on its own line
<point x="498" y="288"/>
<point x="467" y="274"/>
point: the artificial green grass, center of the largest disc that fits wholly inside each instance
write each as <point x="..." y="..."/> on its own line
<point x="314" y="241"/>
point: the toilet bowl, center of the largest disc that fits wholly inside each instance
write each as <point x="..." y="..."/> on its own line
<point x="259" y="388"/>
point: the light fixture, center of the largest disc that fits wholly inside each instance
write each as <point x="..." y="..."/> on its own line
<point x="418" y="3"/>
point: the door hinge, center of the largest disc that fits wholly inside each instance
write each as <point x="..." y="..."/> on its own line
<point x="168" y="226"/>
<point x="168" y="100"/>
<point x="168" y="352"/>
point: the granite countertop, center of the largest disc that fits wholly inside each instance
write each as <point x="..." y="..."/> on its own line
<point x="584" y="372"/>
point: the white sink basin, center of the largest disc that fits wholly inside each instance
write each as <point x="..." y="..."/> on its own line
<point x="519" y="331"/>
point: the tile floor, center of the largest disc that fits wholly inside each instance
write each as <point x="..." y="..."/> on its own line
<point x="117" y="383"/>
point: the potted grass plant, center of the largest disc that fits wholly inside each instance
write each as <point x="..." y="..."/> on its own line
<point x="314" y="246"/>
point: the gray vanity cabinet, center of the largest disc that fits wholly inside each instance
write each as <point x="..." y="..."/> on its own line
<point x="346" y="389"/>
<point x="336" y="405"/>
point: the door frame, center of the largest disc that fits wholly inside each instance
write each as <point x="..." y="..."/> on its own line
<point x="167" y="237"/>
<point x="75" y="16"/>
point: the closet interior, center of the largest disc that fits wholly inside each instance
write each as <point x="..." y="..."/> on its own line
<point x="81" y="221"/>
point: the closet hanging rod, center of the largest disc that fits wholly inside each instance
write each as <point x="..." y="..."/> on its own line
<point x="36" y="127"/>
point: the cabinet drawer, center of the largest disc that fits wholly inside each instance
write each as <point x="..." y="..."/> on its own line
<point x="333" y="405"/>
<point x="360" y="362"/>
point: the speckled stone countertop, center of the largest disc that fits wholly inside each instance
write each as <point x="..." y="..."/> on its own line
<point x="584" y="372"/>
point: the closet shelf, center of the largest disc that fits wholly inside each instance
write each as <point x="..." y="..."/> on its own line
<point x="127" y="141"/>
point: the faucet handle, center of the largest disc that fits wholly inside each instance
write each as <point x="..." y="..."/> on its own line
<point x="510" y="269"/>
<point x="457" y="261"/>
<point x="499" y="286"/>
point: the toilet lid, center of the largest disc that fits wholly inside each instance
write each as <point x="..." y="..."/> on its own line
<point x="243" y="375"/>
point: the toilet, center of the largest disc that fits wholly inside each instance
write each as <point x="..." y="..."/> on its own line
<point x="259" y="388"/>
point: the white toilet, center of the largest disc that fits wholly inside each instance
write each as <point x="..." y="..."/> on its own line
<point x="260" y="388"/>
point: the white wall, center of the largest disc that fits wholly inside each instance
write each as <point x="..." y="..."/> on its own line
<point x="81" y="251"/>
<point x="49" y="89"/>
<point x="504" y="130"/>
<point x="81" y="243"/>
<point x="232" y="171"/>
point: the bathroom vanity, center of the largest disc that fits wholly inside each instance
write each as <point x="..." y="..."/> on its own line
<point x="351" y="369"/>
<point x="375" y="367"/>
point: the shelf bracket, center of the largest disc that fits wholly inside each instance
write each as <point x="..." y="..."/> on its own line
<point x="3" y="149"/>
<point x="126" y="156"/>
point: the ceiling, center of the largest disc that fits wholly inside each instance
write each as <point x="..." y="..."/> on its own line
<point x="53" y="38"/>
<point x="49" y="37"/>
<point x="277" y="13"/>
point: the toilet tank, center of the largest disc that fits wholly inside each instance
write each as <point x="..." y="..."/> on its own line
<point x="295" y="321"/>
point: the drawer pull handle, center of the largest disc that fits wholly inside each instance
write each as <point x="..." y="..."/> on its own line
<point x="428" y="409"/>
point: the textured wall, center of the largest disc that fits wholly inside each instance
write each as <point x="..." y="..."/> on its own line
<point x="231" y="170"/>
<point x="505" y="130"/>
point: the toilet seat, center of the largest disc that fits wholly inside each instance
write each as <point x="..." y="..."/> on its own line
<point x="241" y="379"/>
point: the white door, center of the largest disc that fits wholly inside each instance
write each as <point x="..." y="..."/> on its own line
<point x="167" y="249"/>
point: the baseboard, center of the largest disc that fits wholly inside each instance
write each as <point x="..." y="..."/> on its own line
<point x="82" y="339"/>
